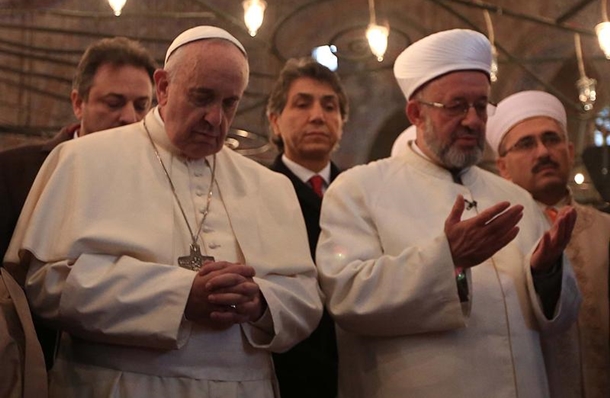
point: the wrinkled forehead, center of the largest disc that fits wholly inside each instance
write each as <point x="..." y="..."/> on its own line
<point x="203" y="57"/>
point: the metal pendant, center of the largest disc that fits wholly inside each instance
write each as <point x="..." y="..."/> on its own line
<point x="195" y="259"/>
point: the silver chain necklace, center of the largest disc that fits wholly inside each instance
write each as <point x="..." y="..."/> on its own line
<point x="194" y="260"/>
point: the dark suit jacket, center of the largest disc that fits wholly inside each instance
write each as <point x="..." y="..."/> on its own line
<point x="310" y="368"/>
<point x="18" y="169"/>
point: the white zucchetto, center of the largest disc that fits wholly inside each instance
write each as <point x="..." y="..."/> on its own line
<point x="518" y="107"/>
<point x="441" y="53"/>
<point x="202" y="33"/>
<point x="400" y="144"/>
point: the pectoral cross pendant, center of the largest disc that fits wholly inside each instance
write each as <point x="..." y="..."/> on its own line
<point x="195" y="259"/>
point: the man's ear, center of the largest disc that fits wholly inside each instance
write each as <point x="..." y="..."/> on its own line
<point x="77" y="104"/>
<point x="571" y="153"/>
<point x="273" y="122"/>
<point x="413" y="111"/>
<point x="161" y="85"/>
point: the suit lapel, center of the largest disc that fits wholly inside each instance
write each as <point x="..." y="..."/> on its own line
<point x="304" y="192"/>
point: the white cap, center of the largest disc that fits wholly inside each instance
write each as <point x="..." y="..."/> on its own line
<point x="518" y="107"/>
<point x="440" y="53"/>
<point x="400" y="144"/>
<point x="201" y="33"/>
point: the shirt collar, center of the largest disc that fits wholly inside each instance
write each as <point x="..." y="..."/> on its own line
<point x="158" y="116"/>
<point x="305" y="174"/>
<point x="565" y="201"/>
<point x="156" y="128"/>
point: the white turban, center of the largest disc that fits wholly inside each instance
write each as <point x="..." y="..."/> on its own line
<point x="400" y="144"/>
<point x="520" y="106"/>
<point x="201" y="33"/>
<point x="441" y="53"/>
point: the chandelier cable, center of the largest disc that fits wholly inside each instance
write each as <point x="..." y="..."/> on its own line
<point x="372" y="11"/>
<point x="579" y="57"/>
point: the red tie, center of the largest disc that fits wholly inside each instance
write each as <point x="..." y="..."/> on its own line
<point x="317" y="182"/>
<point x="551" y="213"/>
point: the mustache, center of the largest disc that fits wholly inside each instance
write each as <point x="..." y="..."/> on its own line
<point x="543" y="163"/>
<point x="466" y="132"/>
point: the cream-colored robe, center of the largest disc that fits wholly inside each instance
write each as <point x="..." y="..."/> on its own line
<point x="387" y="272"/>
<point x="578" y="360"/>
<point x="101" y="233"/>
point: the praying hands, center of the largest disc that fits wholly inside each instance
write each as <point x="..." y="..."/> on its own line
<point x="224" y="294"/>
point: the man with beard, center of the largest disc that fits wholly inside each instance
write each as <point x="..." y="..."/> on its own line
<point x="434" y="269"/>
<point x="306" y="110"/>
<point x="528" y="132"/>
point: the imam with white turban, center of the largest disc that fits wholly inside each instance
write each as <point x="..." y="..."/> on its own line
<point x="578" y="360"/>
<point x="387" y="271"/>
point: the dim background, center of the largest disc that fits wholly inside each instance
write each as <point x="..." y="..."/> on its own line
<point x="41" y="42"/>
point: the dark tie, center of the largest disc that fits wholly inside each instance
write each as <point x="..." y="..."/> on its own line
<point x="457" y="178"/>
<point x="317" y="182"/>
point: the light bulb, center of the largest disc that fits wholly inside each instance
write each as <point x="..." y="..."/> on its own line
<point x="377" y="37"/>
<point x="586" y="92"/>
<point x="579" y="178"/>
<point x="603" y="36"/>
<point x="254" y="12"/>
<point x="117" y="6"/>
<point x="325" y="55"/>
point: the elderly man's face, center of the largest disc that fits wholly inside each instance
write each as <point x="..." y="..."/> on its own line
<point x="310" y="123"/>
<point x="538" y="157"/>
<point x="199" y="103"/>
<point x="455" y="141"/>
<point x="119" y="95"/>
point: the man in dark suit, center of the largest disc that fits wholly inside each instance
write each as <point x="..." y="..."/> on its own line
<point x="307" y="108"/>
<point x="112" y="86"/>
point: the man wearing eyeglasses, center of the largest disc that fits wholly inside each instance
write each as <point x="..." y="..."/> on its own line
<point x="528" y="132"/>
<point x="434" y="269"/>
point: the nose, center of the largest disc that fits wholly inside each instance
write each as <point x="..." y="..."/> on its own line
<point x="472" y="119"/>
<point x="214" y="114"/>
<point x="317" y="114"/>
<point x="541" y="148"/>
<point x="128" y="114"/>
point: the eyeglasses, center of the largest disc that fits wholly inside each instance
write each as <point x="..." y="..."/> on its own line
<point x="549" y="139"/>
<point x="460" y="108"/>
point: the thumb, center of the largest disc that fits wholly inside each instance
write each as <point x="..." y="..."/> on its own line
<point x="455" y="215"/>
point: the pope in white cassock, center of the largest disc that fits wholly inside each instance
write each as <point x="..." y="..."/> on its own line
<point x="440" y="275"/>
<point x="173" y="265"/>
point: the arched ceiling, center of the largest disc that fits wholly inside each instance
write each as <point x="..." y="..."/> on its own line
<point x="42" y="40"/>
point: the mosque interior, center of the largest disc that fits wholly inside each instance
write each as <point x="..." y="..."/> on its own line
<point x="544" y="45"/>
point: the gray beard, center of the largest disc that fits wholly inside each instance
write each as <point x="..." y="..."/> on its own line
<point x="449" y="155"/>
